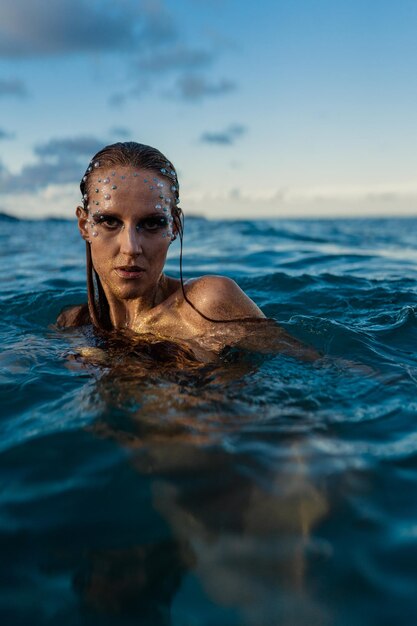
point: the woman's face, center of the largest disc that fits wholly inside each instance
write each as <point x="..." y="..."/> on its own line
<point x="129" y="225"/>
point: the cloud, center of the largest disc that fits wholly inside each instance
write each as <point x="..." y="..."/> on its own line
<point x="12" y="87"/>
<point x="194" y="87"/>
<point x="224" y="138"/>
<point x="120" y="131"/>
<point x="145" y="32"/>
<point x="60" y="161"/>
<point x="41" y="27"/>
<point x="69" y="147"/>
<point x="117" y="100"/>
<point x="40" y="175"/>
<point x="159" y="25"/>
<point x="5" y="135"/>
<point x="177" y="58"/>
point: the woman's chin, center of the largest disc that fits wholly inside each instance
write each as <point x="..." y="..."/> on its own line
<point x="129" y="292"/>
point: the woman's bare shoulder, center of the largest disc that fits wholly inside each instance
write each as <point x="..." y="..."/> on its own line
<point x="73" y="316"/>
<point x="220" y="297"/>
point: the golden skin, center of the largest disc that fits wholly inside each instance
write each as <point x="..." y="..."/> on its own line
<point x="153" y="302"/>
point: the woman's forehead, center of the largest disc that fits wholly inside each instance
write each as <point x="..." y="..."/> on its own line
<point x="108" y="186"/>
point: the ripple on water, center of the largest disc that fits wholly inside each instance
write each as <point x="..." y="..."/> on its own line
<point x="257" y="489"/>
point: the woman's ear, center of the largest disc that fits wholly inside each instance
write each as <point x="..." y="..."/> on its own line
<point x="82" y="216"/>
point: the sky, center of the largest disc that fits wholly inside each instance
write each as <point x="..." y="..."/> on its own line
<point x="279" y="108"/>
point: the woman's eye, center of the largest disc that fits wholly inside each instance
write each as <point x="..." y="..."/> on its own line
<point x="107" y="221"/>
<point x="154" y="223"/>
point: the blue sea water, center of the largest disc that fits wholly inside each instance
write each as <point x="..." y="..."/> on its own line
<point x="257" y="491"/>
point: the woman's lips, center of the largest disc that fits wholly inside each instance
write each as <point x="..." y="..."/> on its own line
<point x="129" y="271"/>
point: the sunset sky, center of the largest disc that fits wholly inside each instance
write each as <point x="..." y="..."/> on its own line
<point x="272" y="108"/>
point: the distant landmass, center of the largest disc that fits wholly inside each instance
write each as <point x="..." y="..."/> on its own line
<point x="5" y="217"/>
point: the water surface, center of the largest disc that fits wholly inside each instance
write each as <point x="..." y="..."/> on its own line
<point x="258" y="490"/>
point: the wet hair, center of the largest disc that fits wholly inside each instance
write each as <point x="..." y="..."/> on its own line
<point x="131" y="154"/>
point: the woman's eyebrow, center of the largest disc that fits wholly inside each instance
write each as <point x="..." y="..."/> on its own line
<point x="115" y="214"/>
<point x="154" y="214"/>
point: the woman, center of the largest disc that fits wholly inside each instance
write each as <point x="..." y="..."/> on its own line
<point x="129" y="217"/>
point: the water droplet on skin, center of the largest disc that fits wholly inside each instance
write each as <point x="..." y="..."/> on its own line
<point x="96" y="164"/>
<point x="158" y="206"/>
<point x="145" y="180"/>
<point x="151" y="188"/>
<point x="163" y="170"/>
<point x="84" y="178"/>
<point x="95" y="233"/>
<point x="97" y="190"/>
<point x="90" y="169"/>
<point x="106" y="180"/>
<point x="107" y="196"/>
<point x="114" y="187"/>
<point x="122" y="177"/>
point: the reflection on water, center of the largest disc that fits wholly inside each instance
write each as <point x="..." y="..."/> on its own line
<point x="229" y="527"/>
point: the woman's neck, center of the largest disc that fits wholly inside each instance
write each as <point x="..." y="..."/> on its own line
<point x="130" y="313"/>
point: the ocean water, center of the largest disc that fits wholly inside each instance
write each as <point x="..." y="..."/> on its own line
<point x="256" y="491"/>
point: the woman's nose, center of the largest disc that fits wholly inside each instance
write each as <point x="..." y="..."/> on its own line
<point x="131" y="241"/>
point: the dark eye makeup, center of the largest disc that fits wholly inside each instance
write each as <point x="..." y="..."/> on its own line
<point x="152" y="223"/>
